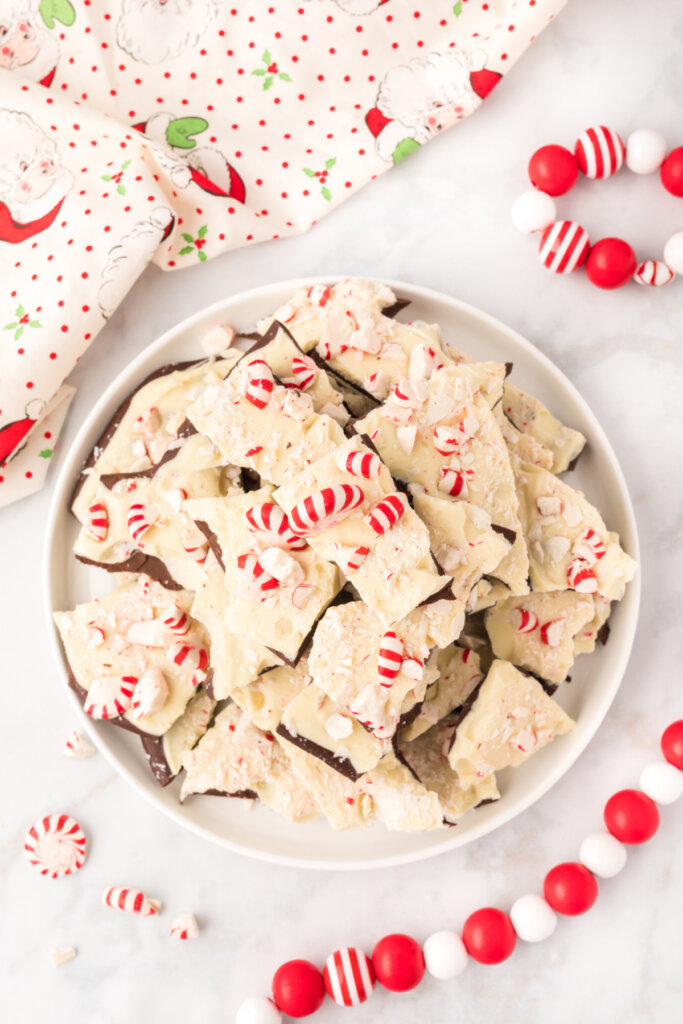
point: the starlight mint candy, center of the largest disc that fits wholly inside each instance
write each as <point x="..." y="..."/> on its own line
<point x="55" y="846"/>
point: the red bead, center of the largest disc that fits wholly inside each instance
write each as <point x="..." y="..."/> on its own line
<point x="489" y="936"/>
<point x="298" y="988"/>
<point x="671" y="172"/>
<point x="570" y="889"/>
<point x="553" y="170"/>
<point x="672" y="744"/>
<point x="399" y="963"/>
<point x="611" y="263"/>
<point x="631" y="816"/>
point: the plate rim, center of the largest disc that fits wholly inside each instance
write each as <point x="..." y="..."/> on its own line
<point x="65" y="481"/>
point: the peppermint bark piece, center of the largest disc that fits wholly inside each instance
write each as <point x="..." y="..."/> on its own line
<point x="146" y="431"/>
<point x="524" y="446"/>
<point x="459" y="675"/>
<point x="532" y="419"/>
<point x="165" y="753"/>
<point x="266" y="698"/>
<point x="597" y="629"/>
<point x="510" y="718"/>
<point x="273" y="594"/>
<point x="537" y="632"/>
<point x="137" y="629"/>
<point x="347" y="507"/>
<point x="337" y="797"/>
<point x="257" y="423"/>
<point x="569" y="544"/>
<point x="399" y="799"/>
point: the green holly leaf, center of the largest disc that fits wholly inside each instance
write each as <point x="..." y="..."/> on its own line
<point x="202" y="231"/>
<point x="20" y="311"/>
<point x="57" y="10"/>
<point x="34" y="323"/>
<point x="106" y="177"/>
<point x="46" y="453"/>
<point x="18" y="333"/>
<point x="10" y="327"/>
<point x="404" y="148"/>
<point x="266" y="58"/>
<point x="186" y="250"/>
<point x="329" y="164"/>
<point x="267" y="82"/>
<point x="121" y="189"/>
<point x="260" y="71"/>
<point x="284" y="77"/>
<point x="202" y="257"/>
<point x="308" y="171"/>
<point x="188" y="238"/>
<point x="125" y="165"/>
<point x="457" y="9"/>
<point x="326" y="194"/>
<point x="181" y="129"/>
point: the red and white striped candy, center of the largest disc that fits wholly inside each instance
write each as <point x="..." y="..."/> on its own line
<point x="271" y="525"/>
<point x="563" y="247"/>
<point x="147" y="423"/>
<point x="599" y="152"/>
<point x="654" y="273"/>
<point x="198" y="552"/>
<point x="325" y="508"/>
<point x="413" y="668"/>
<point x="581" y="577"/>
<point x="304" y="372"/>
<point x="130" y="901"/>
<point x="94" y="635"/>
<point x="387" y="512"/>
<point x="452" y="482"/>
<point x="353" y="559"/>
<point x="141" y="518"/>
<point x="77" y="747"/>
<point x="255" y="582"/>
<point x="177" y="621"/>
<point x="424" y="361"/>
<point x="447" y="439"/>
<point x="318" y="294"/>
<point x="253" y="451"/>
<point x="55" y="845"/>
<point x="411" y="394"/>
<point x="260" y="383"/>
<point x="552" y="632"/>
<point x="590" y="547"/>
<point x="109" y="696"/>
<point x="187" y="655"/>
<point x="365" y="464"/>
<point x="302" y="594"/>
<point x="349" y="977"/>
<point x="185" y="927"/>
<point x="390" y="656"/>
<point x="150" y="694"/>
<point x="525" y="621"/>
<point x="97" y="521"/>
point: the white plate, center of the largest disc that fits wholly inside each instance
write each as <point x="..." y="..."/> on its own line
<point x="595" y="677"/>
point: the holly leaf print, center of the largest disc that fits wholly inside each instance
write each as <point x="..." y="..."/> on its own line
<point x="267" y="82"/>
<point x="326" y="194"/>
<point x="57" y="10"/>
<point x="329" y="164"/>
<point x="180" y="131"/>
<point x="46" y="453"/>
<point x="186" y="237"/>
<point x="202" y="257"/>
<point x="266" y="58"/>
<point x="20" y="311"/>
<point x="457" y="9"/>
<point x="284" y="77"/>
<point x="186" y="250"/>
<point x="10" y="327"/>
<point x="202" y="231"/>
<point x="18" y="333"/>
<point x="107" y="177"/>
<point x="125" y="164"/>
<point x="121" y="189"/>
<point x="260" y="71"/>
<point x="34" y="323"/>
<point x="308" y="171"/>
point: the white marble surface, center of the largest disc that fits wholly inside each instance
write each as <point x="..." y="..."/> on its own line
<point x="441" y="219"/>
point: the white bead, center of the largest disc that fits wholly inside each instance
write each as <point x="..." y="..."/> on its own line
<point x="662" y="782"/>
<point x="445" y="955"/>
<point x="532" y="918"/>
<point x="673" y="252"/>
<point x="645" y="151"/>
<point x="602" y="854"/>
<point x="258" y="1010"/>
<point x="533" y="211"/>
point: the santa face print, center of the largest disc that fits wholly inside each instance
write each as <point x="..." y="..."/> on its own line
<point x="18" y="44"/>
<point x="33" y="182"/>
<point x="36" y="176"/>
<point x="25" y="43"/>
<point x="151" y="31"/>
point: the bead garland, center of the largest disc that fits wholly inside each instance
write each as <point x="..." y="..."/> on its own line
<point x="489" y="935"/>
<point x="565" y="246"/>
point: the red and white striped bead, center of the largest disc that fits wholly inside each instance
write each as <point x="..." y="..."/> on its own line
<point x="552" y="632"/>
<point x="177" y="621"/>
<point x="349" y="977"/>
<point x="411" y="394"/>
<point x="387" y="512"/>
<point x="353" y="558"/>
<point x="590" y="547"/>
<point x="260" y="383"/>
<point x="185" y="927"/>
<point x="271" y="525"/>
<point x="130" y="901"/>
<point x="255" y="583"/>
<point x="109" y="696"/>
<point x="564" y="247"/>
<point x="599" y="152"/>
<point x="325" y="508"/>
<point x="97" y="522"/>
<point x="525" y="621"/>
<point x="452" y="482"/>
<point x="304" y="372"/>
<point x="141" y="518"/>
<point x="55" y="845"/>
<point x="581" y="577"/>
<point x="654" y="273"/>
<point x="365" y="464"/>
<point x="188" y="656"/>
<point x="390" y="656"/>
<point x="198" y="552"/>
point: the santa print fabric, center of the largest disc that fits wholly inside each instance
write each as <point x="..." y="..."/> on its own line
<point x="173" y="130"/>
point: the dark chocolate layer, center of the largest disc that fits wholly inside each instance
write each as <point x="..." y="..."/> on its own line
<point x="340" y="764"/>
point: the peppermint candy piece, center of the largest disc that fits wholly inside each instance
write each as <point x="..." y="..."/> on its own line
<point x="413" y="668"/>
<point x="424" y="361"/>
<point x="198" y="552"/>
<point x="563" y="247"/>
<point x="97" y="522"/>
<point x="218" y="340"/>
<point x="525" y="621"/>
<point x="94" y="635"/>
<point x="349" y="977"/>
<point x="387" y="512"/>
<point x="130" y="901"/>
<point x="150" y="693"/>
<point x="318" y="294"/>
<point x="55" y="845"/>
<point x="654" y="273"/>
<point x="364" y="464"/>
<point x="411" y="394"/>
<point x="406" y="438"/>
<point x="285" y="569"/>
<point x="302" y="594"/>
<point x="189" y="656"/>
<point x="452" y="482"/>
<point x="260" y="383"/>
<point x="447" y="439"/>
<point x="76" y="746"/>
<point x="176" y="621"/>
<point x="552" y="632"/>
<point x="109" y="696"/>
<point x="147" y="423"/>
<point x="377" y="385"/>
<point x="304" y="372"/>
<point x="390" y="656"/>
<point x="548" y="505"/>
<point x="599" y="152"/>
<point x="270" y="524"/>
<point x="141" y="518"/>
<point x="255" y="584"/>
<point x="148" y="633"/>
<point x="353" y="558"/>
<point x="60" y="955"/>
<point x="581" y="577"/>
<point x="590" y="547"/>
<point x="325" y="508"/>
<point x="185" y="927"/>
<point x="253" y="451"/>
